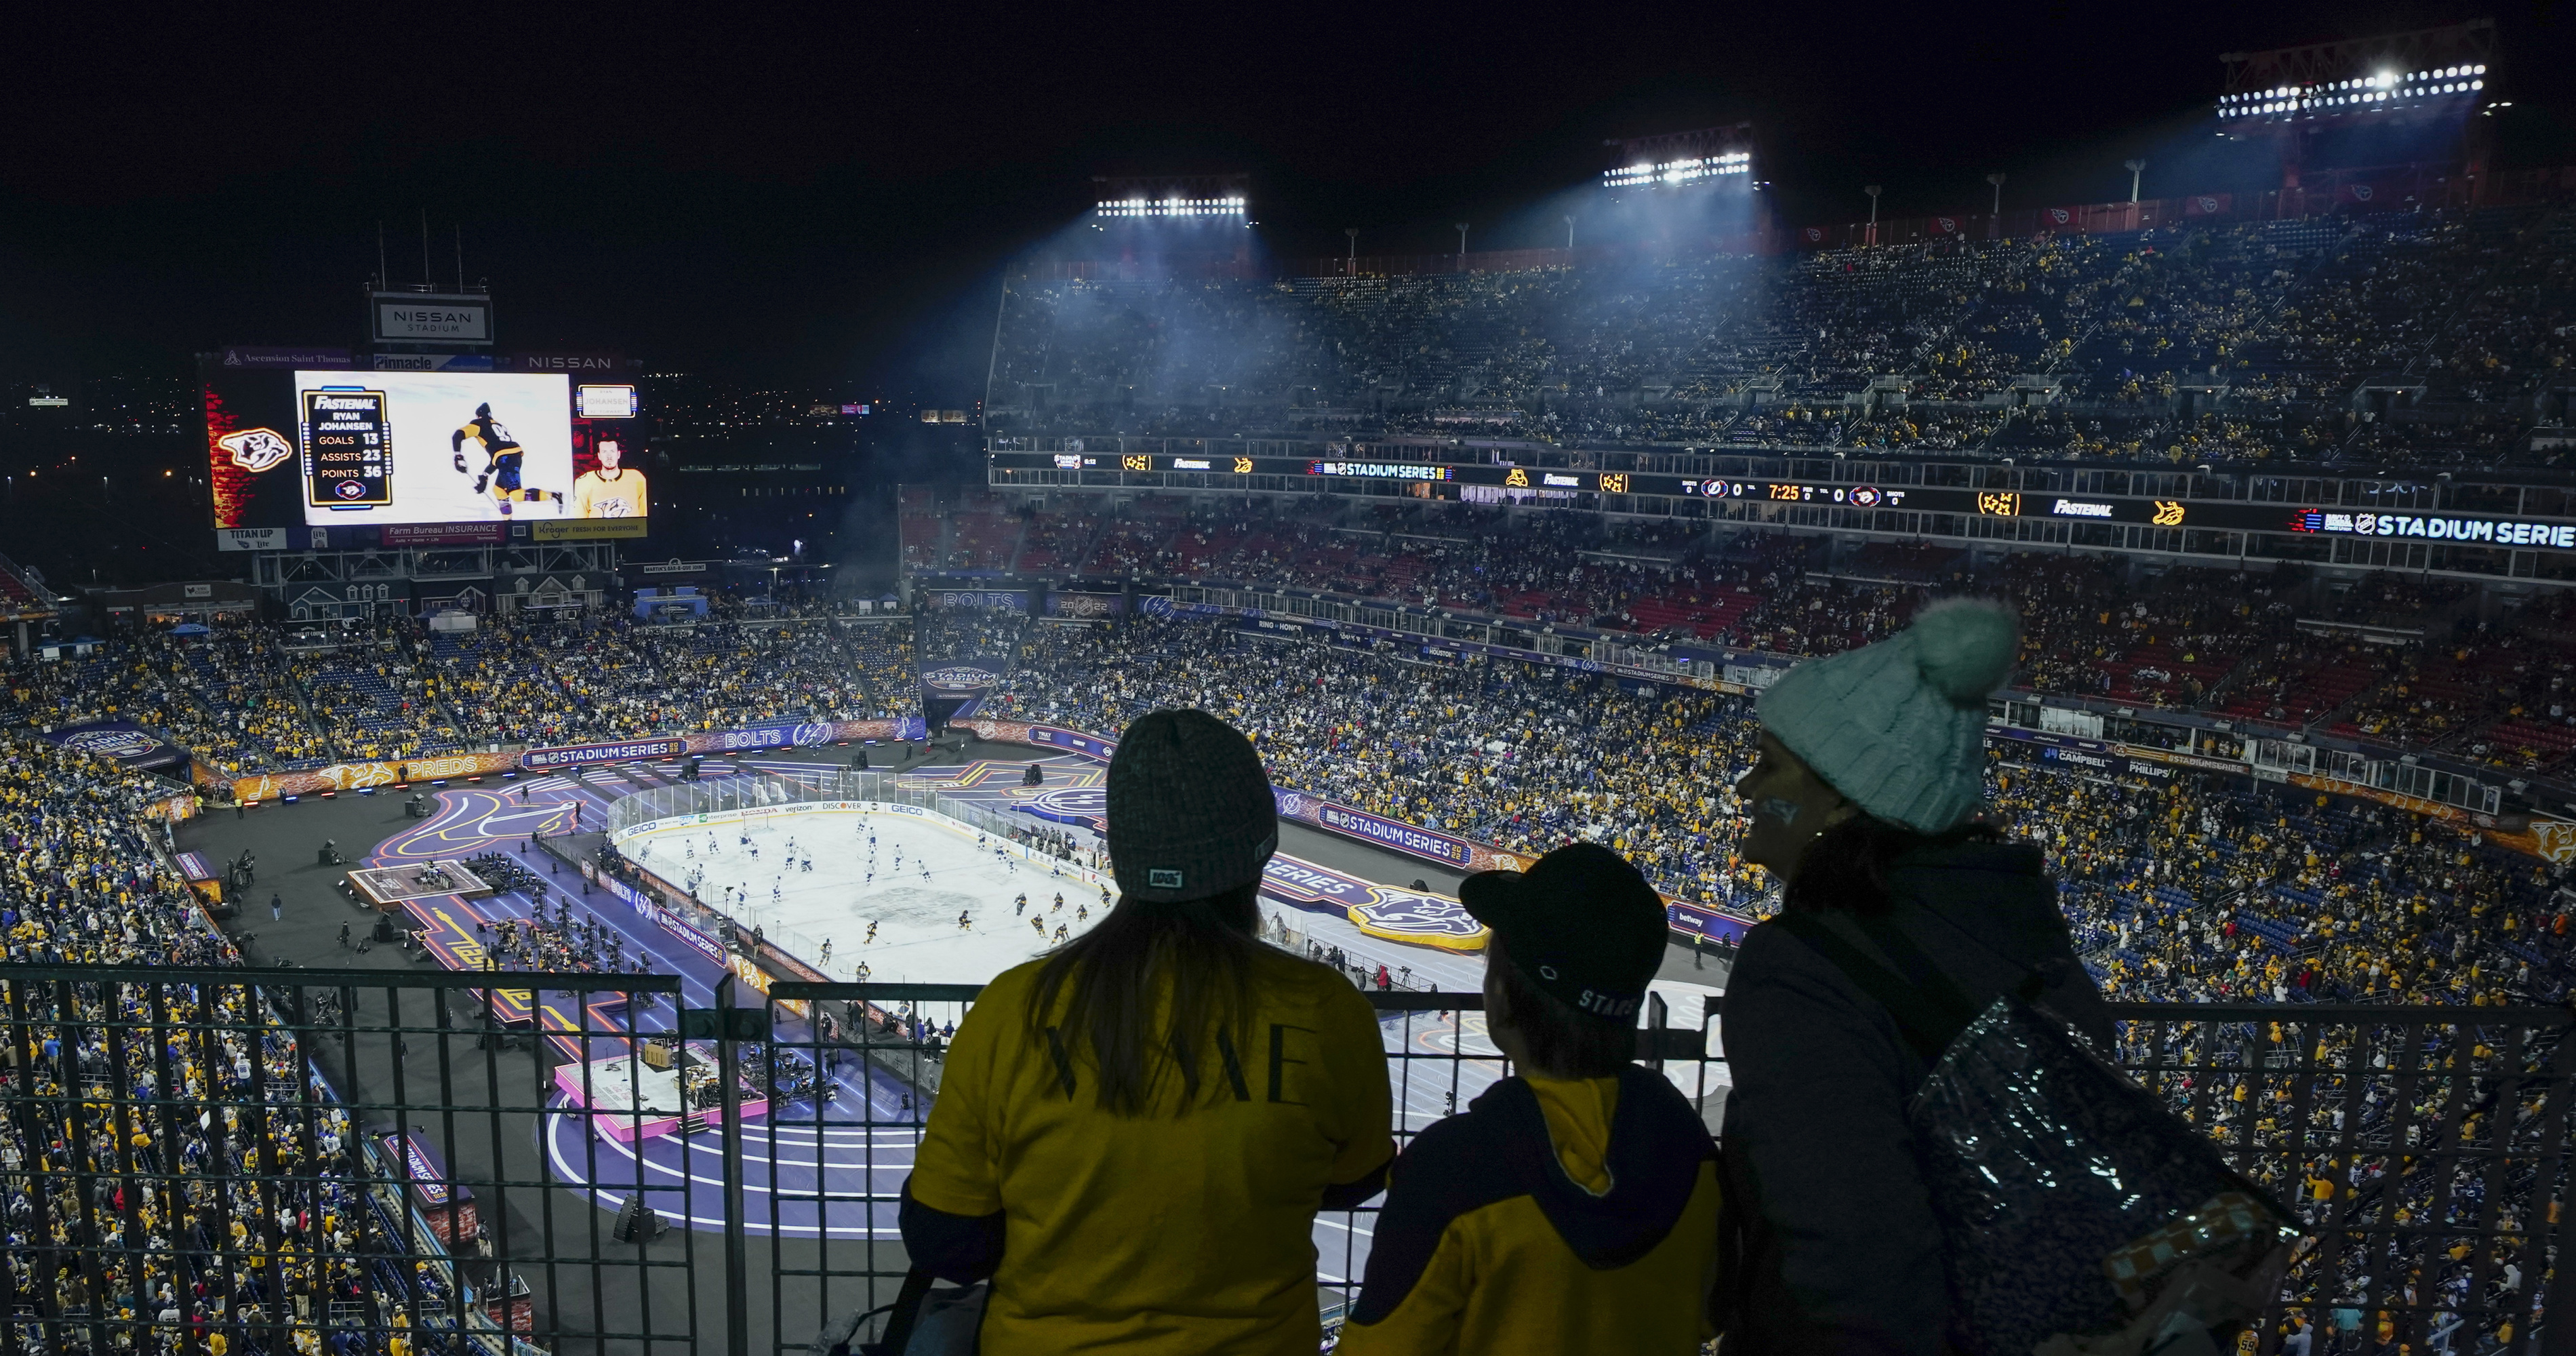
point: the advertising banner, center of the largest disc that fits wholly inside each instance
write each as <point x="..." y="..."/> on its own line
<point x="337" y="777"/>
<point x="1086" y="605"/>
<point x="458" y="765"/>
<point x="952" y="689"/>
<point x="576" y="755"/>
<point x="121" y="740"/>
<point x="2208" y="204"/>
<point x="444" y="534"/>
<point x="286" y="357"/>
<point x="1700" y="921"/>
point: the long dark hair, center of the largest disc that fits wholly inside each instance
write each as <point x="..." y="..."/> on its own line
<point x="1846" y="866"/>
<point x="1112" y="976"/>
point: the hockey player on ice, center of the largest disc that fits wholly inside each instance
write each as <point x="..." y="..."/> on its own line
<point x="1020" y="905"/>
<point x="872" y="934"/>
<point x="965" y="922"/>
<point x="502" y="458"/>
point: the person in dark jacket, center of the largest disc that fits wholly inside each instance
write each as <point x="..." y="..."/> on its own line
<point x="1864" y="801"/>
<point x="1574" y="1207"/>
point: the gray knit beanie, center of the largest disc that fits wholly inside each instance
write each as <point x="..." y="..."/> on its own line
<point x="1899" y="727"/>
<point x="1190" y="810"/>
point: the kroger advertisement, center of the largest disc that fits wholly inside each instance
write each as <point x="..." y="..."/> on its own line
<point x="404" y="453"/>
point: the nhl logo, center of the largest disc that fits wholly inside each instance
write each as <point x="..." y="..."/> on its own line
<point x="255" y="449"/>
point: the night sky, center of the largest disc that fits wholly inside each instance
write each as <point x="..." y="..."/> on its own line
<point x="824" y="198"/>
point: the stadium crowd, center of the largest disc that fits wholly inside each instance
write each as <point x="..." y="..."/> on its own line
<point x="238" y="1232"/>
<point x="2187" y="890"/>
<point x="2273" y="321"/>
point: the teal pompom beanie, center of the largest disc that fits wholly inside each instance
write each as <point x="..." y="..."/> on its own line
<point x="1899" y="727"/>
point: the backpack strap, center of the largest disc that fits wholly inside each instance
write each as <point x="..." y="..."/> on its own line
<point x="1929" y="1009"/>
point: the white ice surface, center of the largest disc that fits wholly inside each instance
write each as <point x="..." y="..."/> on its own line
<point x="920" y="875"/>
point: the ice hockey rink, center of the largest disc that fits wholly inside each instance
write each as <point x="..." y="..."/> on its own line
<point x="843" y="877"/>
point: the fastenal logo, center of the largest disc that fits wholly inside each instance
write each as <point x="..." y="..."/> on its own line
<point x="255" y="449"/>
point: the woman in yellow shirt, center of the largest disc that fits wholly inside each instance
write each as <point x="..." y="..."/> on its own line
<point x="1133" y="1134"/>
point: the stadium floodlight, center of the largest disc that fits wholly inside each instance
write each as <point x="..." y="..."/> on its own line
<point x="2135" y="168"/>
<point x="1708" y="157"/>
<point x="1198" y="196"/>
<point x="2424" y="72"/>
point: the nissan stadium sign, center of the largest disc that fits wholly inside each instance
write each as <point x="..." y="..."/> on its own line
<point x="430" y="318"/>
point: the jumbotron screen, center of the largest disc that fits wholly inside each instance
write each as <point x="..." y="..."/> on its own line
<point x="411" y="450"/>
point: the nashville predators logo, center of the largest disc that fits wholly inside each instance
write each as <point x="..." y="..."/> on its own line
<point x="1243" y="466"/>
<point x="2168" y="513"/>
<point x="1518" y="477"/>
<point x="255" y="449"/>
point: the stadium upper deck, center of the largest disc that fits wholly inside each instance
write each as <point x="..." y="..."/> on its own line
<point x="2422" y="339"/>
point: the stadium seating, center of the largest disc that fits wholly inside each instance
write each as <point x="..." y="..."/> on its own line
<point x="2217" y="340"/>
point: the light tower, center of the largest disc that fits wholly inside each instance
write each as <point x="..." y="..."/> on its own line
<point x="1872" y="190"/>
<point x="2289" y="96"/>
<point x="2135" y="168"/>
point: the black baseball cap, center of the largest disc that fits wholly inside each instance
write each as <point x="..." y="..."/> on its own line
<point x="1581" y="924"/>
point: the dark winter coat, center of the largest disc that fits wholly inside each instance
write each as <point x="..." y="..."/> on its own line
<point x="1842" y="1253"/>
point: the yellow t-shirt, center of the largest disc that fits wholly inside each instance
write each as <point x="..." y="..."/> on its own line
<point x="596" y="496"/>
<point x="1177" y="1231"/>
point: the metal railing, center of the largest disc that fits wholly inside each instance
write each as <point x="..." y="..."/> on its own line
<point x="353" y="1158"/>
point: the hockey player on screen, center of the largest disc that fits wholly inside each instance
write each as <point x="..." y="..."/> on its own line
<point x="612" y="491"/>
<point x="502" y="456"/>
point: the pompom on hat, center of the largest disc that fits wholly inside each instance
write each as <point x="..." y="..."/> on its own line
<point x="1899" y="727"/>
